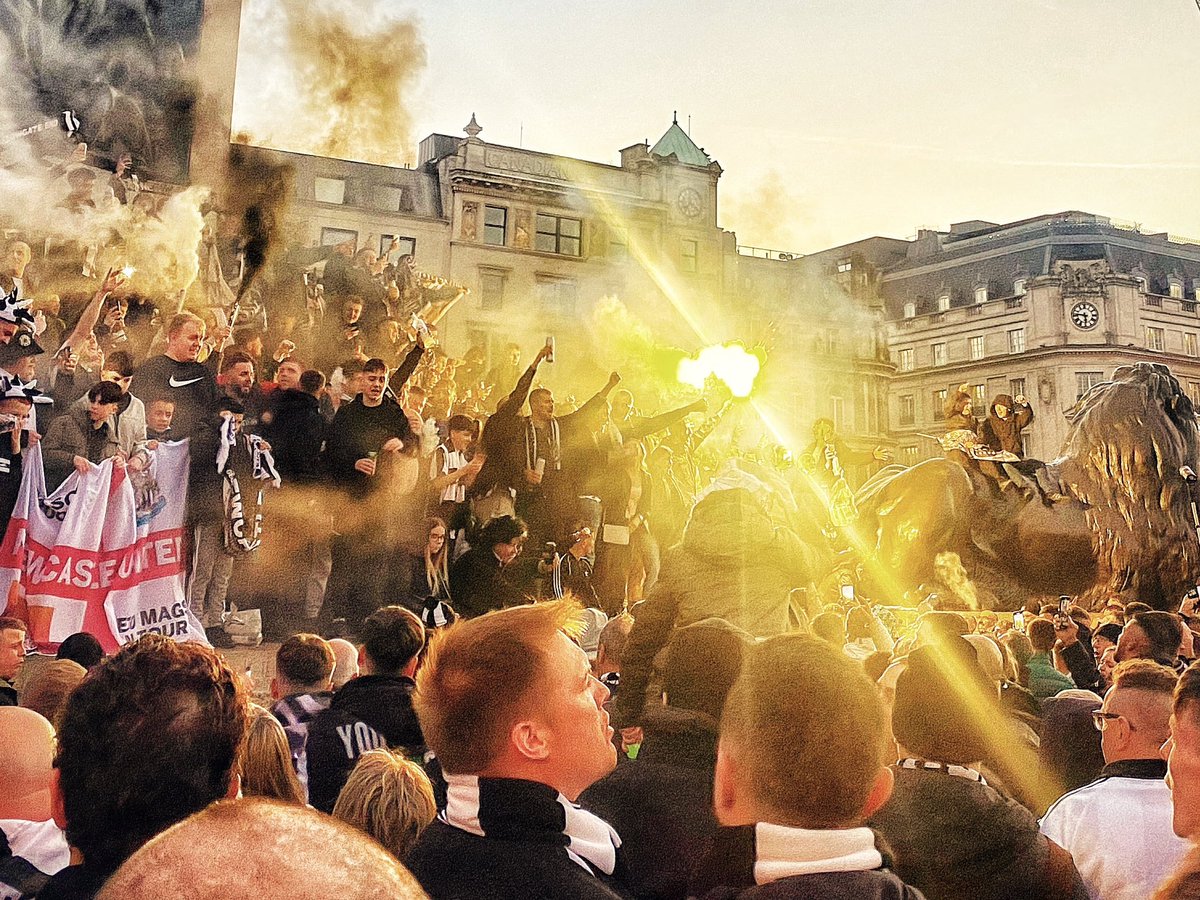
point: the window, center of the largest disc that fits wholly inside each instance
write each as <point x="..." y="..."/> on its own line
<point x="387" y="197"/>
<point x="939" y="405"/>
<point x="406" y="246"/>
<point x="981" y="294"/>
<point x="557" y="296"/>
<point x="491" y="290"/>
<point x="1016" y="340"/>
<point x="1193" y="390"/>
<point x="943" y="302"/>
<point x="1155" y="338"/>
<point x="1175" y="289"/>
<point x="908" y="409"/>
<point x="331" y="237"/>
<point x="1019" y="287"/>
<point x="908" y="456"/>
<point x="1191" y="346"/>
<point x="557" y="234"/>
<point x="688" y="255"/>
<point x="1085" y="381"/>
<point x="837" y="411"/>
<point x="1016" y="387"/>
<point x="975" y="347"/>
<point x="904" y="361"/>
<point x="979" y="396"/>
<point x="910" y="310"/>
<point x="618" y="242"/>
<point x="329" y="190"/>
<point x="939" y="354"/>
<point x="495" y="225"/>
<point x="844" y="265"/>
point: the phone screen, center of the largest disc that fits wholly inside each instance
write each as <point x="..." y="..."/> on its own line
<point x="1019" y="620"/>
<point x="848" y="591"/>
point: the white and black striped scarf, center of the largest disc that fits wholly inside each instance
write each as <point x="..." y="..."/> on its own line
<point x="516" y="810"/>
<point x="532" y="451"/>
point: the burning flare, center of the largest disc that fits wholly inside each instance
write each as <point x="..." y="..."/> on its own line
<point x="730" y="364"/>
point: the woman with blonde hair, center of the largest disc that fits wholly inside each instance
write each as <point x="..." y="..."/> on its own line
<point x="266" y="763"/>
<point x="431" y="566"/>
<point x="388" y="797"/>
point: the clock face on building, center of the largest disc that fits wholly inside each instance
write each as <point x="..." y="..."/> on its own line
<point x="689" y="203"/>
<point x="1085" y="315"/>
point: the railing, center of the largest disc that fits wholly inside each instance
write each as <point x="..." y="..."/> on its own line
<point x="1014" y="303"/>
<point x="1154" y="301"/>
<point x="766" y="253"/>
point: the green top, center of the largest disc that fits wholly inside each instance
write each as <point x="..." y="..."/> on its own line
<point x="676" y="143"/>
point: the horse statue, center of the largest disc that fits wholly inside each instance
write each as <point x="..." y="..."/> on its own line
<point x="1120" y="523"/>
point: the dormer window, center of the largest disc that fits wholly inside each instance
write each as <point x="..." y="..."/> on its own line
<point x="943" y="303"/>
<point x="981" y="293"/>
<point x="910" y="310"/>
<point x="1175" y="287"/>
<point x="1019" y="287"/>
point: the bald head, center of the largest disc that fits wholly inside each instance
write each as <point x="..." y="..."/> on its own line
<point x="26" y="758"/>
<point x="345" y="661"/>
<point x="254" y="848"/>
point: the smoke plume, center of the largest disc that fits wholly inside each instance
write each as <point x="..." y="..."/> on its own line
<point x="771" y="215"/>
<point x="258" y="188"/>
<point x="344" y="88"/>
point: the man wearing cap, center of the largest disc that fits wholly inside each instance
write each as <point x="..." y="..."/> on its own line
<point x="17" y="399"/>
<point x="13" y="312"/>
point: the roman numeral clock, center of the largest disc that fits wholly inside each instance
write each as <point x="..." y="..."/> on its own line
<point x="1084" y="315"/>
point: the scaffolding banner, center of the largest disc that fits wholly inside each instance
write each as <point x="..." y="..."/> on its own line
<point x="89" y="558"/>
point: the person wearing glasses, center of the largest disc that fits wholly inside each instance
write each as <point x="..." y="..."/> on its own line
<point x="1118" y="828"/>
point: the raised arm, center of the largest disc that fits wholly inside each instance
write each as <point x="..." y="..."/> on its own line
<point x="644" y="426"/>
<point x="91" y="313"/>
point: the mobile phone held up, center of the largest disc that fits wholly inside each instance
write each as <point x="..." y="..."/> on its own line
<point x="550" y="346"/>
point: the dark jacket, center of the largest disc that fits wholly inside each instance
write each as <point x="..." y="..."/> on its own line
<point x="8" y="693"/>
<point x="733" y="564"/>
<point x="294" y="427"/>
<point x="661" y="804"/>
<point x="370" y="712"/>
<point x="478" y="584"/>
<point x="206" y="501"/>
<point x="524" y="854"/>
<point x="1005" y="434"/>
<point x="727" y="871"/>
<point x="73" y="434"/>
<point x="357" y="430"/>
<point x="958" y="839"/>
<point x="80" y="882"/>
<point x="501" y="441"/>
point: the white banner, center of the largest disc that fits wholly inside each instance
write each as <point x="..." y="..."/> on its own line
<point x="81" y="559"/>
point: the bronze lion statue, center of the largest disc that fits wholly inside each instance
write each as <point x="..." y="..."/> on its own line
<point x="1119" y="525"/>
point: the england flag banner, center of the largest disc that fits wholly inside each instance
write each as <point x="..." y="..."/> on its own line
<point x="88" y="558"/>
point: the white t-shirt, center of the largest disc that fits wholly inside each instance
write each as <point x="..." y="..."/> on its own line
<point x="41" y="844"/>
<point x="1118" y="830"/>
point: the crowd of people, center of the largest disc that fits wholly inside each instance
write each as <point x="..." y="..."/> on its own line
<point x="866" y="753"/>
<point x="394" y="457"/>
<point x="532" y="653"/>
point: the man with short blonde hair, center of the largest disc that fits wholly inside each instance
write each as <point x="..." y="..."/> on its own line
<point x="509" y="706"/>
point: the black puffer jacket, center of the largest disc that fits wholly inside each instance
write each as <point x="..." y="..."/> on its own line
<point x="661" y="804"/>
<point x="369" y="713"/>
<point x="956" y="839"/>
<point x="293" y="425"/>
<point x="734" y="564"/>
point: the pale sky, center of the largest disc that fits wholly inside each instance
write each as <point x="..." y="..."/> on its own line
<point x="834" y="120"/>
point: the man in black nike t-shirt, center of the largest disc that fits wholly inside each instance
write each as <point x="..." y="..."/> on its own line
<point x="176" y="375"/>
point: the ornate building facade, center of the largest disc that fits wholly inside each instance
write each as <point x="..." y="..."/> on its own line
<point x="1044" y="307"/>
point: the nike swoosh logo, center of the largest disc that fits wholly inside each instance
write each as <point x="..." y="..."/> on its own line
<point x="175" y="383"/>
